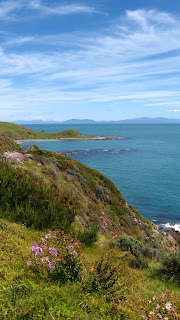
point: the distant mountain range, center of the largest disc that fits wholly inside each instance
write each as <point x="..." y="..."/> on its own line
<point x="142" y="120"/>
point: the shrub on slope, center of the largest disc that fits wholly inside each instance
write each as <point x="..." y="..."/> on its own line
<point x="26" y="198"/>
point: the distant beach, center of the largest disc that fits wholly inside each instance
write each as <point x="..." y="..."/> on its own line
<point x="59" y="139"/>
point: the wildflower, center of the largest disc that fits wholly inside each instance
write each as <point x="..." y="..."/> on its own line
<point x="74" y="253"/>
<point x="155" y="297"/>
<point x="36" y="250"/>
<point x="51" y="266"/>
<point x="157" y="306"/>
<point x="39" y="164"/>
<point x="168" y="306"/>
<point x="18" y="157"/>
<point x="28" y="263"/>
<point x="143" y="316"/>
<point x="53" y="252"/>
<point x="151" y="313"/>
<point x="70" y="247"/>
<point x="159" y="316"/>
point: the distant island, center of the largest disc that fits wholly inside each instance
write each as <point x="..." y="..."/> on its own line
<point x="141" y="120"/>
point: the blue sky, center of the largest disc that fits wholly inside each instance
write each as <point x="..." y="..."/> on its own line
<point x="102" y="60"/>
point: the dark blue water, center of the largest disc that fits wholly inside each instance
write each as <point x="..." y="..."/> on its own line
<point x="145" y="166"/>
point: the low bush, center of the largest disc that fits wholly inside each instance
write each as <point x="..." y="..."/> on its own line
<point x="137" y="248"/>
<point x="104" y="278"/>
<point x="26" y="198"/>
<point x="128" y="243"/>
<point x="138" y="263"/>
<point x="57" y="255"/>
<point x="88" y="237"/>
<point x="171" y="264"/>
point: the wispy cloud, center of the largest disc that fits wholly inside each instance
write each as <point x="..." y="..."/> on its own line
<point x="62" y="9"/>
<point x="174" y="110"/>
<point x="18" y="10"/>
<point x="136" y="60"/>
<point x="8" y="8"/>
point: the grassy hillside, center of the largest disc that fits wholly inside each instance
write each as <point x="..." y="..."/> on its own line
<point x="8" y="144"/>
<point x="73" y="189"/>
<point x="18" y="132"/>
<point x="28" y="294"/>
<point x="108" y="263"/>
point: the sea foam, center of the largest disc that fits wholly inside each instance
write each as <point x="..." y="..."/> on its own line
<point x="169" y="226"/>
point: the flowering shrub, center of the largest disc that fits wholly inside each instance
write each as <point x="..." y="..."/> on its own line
<point x="16" y="156"/>
<point x="58" y="254"/>
<point x="158" y="308"/>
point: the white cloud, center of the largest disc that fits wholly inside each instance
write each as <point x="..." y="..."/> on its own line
<point x="136" y="61"/>
<point x="62" y="9"/>
<point x="175" y="110"/>
<point x="13" y="10"/>
<point x="7" y="8"/>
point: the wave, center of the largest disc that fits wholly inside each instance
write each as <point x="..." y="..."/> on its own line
<point x="169" y="226"/>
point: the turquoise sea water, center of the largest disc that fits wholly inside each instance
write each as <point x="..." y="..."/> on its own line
<point x="145" y="166"/>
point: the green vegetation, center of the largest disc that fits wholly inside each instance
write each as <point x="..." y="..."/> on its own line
<point x="171" y="263"/>
<point x="8" y="144"/>
<point x="26" y="198"/>
<point x="88" y="237"/>
<point x="28" y="293"/>
<point x="71" y="247"/>
<point x="18" y="132"/>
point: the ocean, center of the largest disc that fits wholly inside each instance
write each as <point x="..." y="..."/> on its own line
<point x="144" y="165"/>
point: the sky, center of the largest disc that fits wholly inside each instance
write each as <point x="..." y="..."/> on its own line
<point x="101" y="60"/>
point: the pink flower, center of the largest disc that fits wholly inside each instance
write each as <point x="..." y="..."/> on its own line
<point x="74" y="253"/>
<point x="36" y="250"/>
<point x="28" y="263"/>
<point x="53" y="252"/>
<point x="51" y="266"/>
<point x="168" y="306"/>
<point x="155" y="297"/>
<point x="70" y="248"/>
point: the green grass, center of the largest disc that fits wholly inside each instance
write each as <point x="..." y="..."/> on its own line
<point x="29" y="194"/>
<point x="8" y="144"/>
<point x="26" y="295"/>
<point x="18" y="132"/>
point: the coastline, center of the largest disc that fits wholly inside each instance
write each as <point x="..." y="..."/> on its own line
<point x="19" y="141"/>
